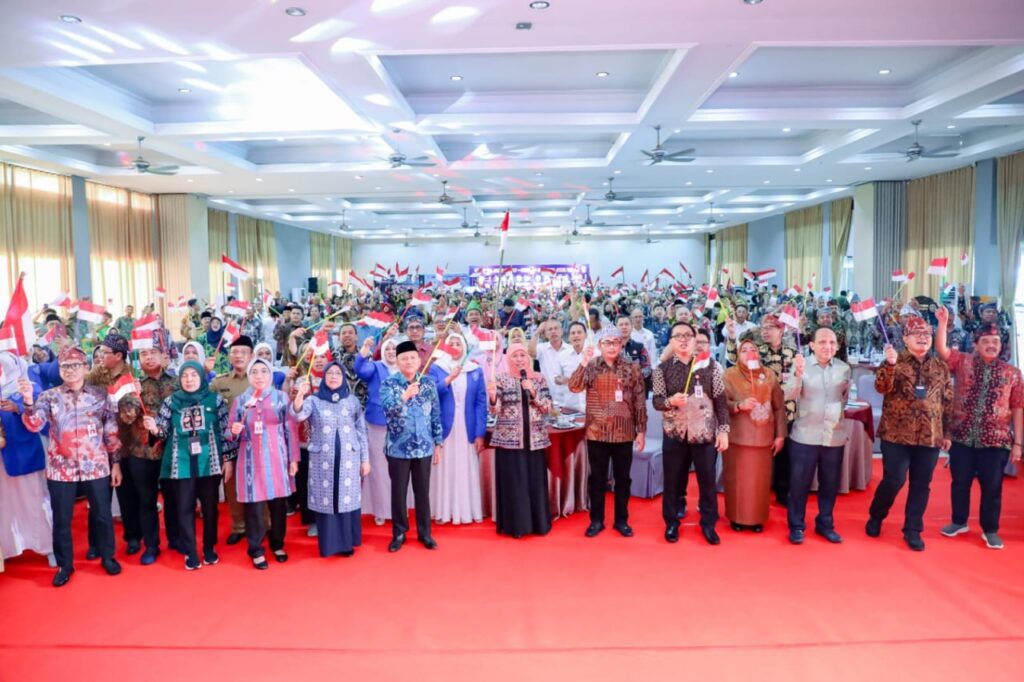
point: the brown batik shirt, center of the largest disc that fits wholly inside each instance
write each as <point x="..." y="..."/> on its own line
<point x="912" y="416"/>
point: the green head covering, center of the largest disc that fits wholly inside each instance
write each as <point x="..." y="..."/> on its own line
<point x="473" y="305"/>
<point x="182" y="398"/>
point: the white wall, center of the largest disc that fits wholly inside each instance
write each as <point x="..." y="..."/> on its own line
<point x="862" y="239"/>
<point x="293" y="264"/>
<point x="766" y="247"/>
<point x="602" y="255"/>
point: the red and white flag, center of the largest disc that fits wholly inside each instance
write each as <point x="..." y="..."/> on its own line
<point x="794" y="290"/>
<point x="453" y="282"/>
<point x="141" y="340"/>
<point x="964" y="259"/>
<point x="939" y="266"/>
<point x="422" y="299"/>
<point x="748" y="274"/>
<point x="504" y="233"/>
<point x="359" y="280"/>
<point x="864" y="310"/>
<point x="62" y="301"/>
<point x="700" y="361"/>
<point x="160" y="292"/>
<point x="790" y="317"/>
<point x="267" y="298"/>
<point x="399" y="272"/>
<point x="377" y="320"/>
<point x="149" y="323"/>
<point x="182" y="303"/>
<point x="522" y="304"/>
<point x="827" y="290"/>
<point x="765" y="275"/>
<point x="643" y="277"/>
<point x="90" y="312"/>
<point x="898" y="276"/>
<point x="230" y="335"/>
<point x="484" y="337"/>
<point x="19" y="319"/>
<point x="229" y="287"/>
<point x="550" y="271"/>
<point x="121" y="388"/>
<point x="7" y="341"/>
<point x="444" y="351"/>
<point x="321" y="343"/>
<point x="335" y="283"/>
<point x="233" y="268"/>
<point x="619" y="271"/>
<point x="667" y="273"/>
<point x="439" y="271"/>
<point x="711" y="300"/>
<point x="236" y="307"/>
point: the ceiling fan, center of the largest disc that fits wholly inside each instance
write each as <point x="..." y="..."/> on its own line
<point x="590" y="223"/>
<point x="142" y="166"/>
<point x="659" y="155"/>
<point x="344" y="227"/>
<point x="649" y="240"/>
<point x="710" y="221"/>
<point x="575" y="233"/>
<point x="407" y="244"/>
<point x="916" y="150"/>
<point x="446" y="199"/>
<point x="398" y="159"/>
<point x="465" y="220"/>
<point x="610" y="195"/>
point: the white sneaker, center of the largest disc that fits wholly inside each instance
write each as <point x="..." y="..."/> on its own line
<point x="311" y="532"/>
<point x="379" y="520"/>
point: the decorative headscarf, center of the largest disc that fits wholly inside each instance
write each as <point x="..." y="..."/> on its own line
<point x="261" y="345"/>
<point x="200" y="351"/>
<point x="12" y="368"/>
<point x="512" y="348"/>
<point x="258" y="361"/>
<point x="464" y="362"/>
<point x="181" y="398"/>
<point x="213" y="337"/>
<point x="394" y="341"/>
<point x="333" y="395"/>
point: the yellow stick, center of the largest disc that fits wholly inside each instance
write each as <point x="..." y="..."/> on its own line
<point x="433" y="351"/>
<point x="693" y="361"/>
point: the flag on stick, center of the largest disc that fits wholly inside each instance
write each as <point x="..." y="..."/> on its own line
<point x="233" y="268"/>
<point x="19" y="319"/>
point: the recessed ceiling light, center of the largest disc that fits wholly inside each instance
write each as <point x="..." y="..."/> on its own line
<point x="950" y="127"/>
<point x="618" y="172"/>
<point x="767" y="182"/>
<point x="689" y="182"/>
<point x="290" y="189"/>
<point x="677" y="131"/>
<point x="540" y="4"/>
<point x="828" y="180"/>
<point x="602" y="74"/>
<point x="295" y="12"/>
<point x="538" y="174"/>
<point x="183" y="91"/>
<point x="359" y="177"/>
<point x="189" y="180"/>
<point x="455" y="77"/>
<point x="70" y="19"/>
<point x="259" y="179"/>
<point x="787" y="130"/>
<point x="377" y="188"/>
<point x="796" y="170"/>
<point x="231" y="191"/>
<point x="540" y="184"/>
<point x="867" y="167"/>
<point x="884" y="72"/>
<point x="753" y="2"/>
<point x="734" y="74"/>
<point x="711" y="170"/>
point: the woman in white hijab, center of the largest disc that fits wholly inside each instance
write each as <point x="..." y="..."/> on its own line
<point x="26" y="522"/>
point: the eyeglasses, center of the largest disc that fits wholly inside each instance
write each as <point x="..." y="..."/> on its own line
<point x="72" y="366"/>
<point x="681" y="337"/>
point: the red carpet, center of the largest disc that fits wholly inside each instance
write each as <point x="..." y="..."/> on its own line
<point x="562" y="607"/>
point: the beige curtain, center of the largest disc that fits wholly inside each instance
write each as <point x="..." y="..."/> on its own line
<point x="804" y="229"/>
<point x="257" y="253"/>
<point x="730" y="254"/>
<point x="174" y="271"/>
<point x="940" y="223"/>
<point x="320" y="257"/>
<point x="1009" y="223"/>
<point x="35" y="235"/>
<point x="121" y="257"/>
<point x="840" y="220"/>
<point x="342" y="259"/>
<point x="217" y="238"/>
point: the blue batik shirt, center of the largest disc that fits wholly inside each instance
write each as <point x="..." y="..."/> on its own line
<point x="413" y="427"/>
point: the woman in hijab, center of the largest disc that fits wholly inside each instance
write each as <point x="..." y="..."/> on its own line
<point x="757" y="433"/>
<point x="24" y="501"/>
<point x="44" y="369"/>
<point x="377" y="485"/>
<point x="212" y="343"/>
<point x="338" y="458"/>
<point x="264" y="351"/>
<point x="522" y="402"/>
<point x="193" y="351"/>
<point x="455" y="494"/>
<point x="192" y="422"/>
<point x="315" y="375"/>
<point x="268" y="458"/>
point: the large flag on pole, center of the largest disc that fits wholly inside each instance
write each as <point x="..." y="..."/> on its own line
<point x="19" y="319"/>
<point x="504" y="233"/>
<point x="233" y="268"/>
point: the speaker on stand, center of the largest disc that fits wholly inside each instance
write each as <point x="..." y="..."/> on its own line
<point x="312" y="286"/>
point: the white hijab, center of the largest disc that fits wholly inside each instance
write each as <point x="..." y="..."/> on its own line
<point x="13" y="368"/>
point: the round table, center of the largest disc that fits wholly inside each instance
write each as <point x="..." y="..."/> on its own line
<point x="861" y="411"/>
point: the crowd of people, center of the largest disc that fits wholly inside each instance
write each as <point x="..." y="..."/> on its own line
<point x="334" y="407"/>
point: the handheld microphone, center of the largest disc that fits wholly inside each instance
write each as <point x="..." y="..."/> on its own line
<point x="522" y="374"/>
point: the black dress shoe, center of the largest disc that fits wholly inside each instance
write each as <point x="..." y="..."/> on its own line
<point x="672" y="534"/>
<point x="681" y="514"/>
<point x="348" y="553"/>
<point x="710" y="535"/>
<point x="62" y="577"/>
<point x="830" y="535"/>
<point x="280" y="556"/>
<point x="735" y="526"/>
<point x="593" y="529"/>
<point x="757" y="528"/>
<point x="260" y="563"/>
<point x="624" y="530"/>
<point x="396" y="543"/>
<point x="92" y="554"/>
<point x="796" y="537"/>
<point x="914" y="541"/>
<point x="235" y="538"/>
<point x="133" y="548"/>
<point x="873" y="527"/>
<point x="111" y="566"/>
<point x="429" y="543"/>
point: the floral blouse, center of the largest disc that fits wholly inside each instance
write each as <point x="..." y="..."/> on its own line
<point x="508" y="429"/>
<point x="985" y="396"/>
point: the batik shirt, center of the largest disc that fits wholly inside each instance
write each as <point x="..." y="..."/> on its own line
<point x="908" y="419"/>
<point x="267" y="446"/>
<point x="83" y="432"/>
<point x="706" y="413"/>
<point x="616" y="399"/>
<point x="337" y="447"/>
<point x="413" y="427"/>
<point x="985" y="395"/>
<point x="134" y="437"/>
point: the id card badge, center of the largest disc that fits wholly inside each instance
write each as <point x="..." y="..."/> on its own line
<point x="91" y="428"/>
<point x="920" y="392"/>
<point x="698" y="390"/>
<point x="195" y="447"/>
<point x="257" y="427"/>
<point x="618" y="395"/>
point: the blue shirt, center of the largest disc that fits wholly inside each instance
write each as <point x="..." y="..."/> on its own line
<point x="413" y="427"/>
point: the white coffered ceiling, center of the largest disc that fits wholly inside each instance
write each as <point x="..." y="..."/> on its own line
<point x="293" y="118"/>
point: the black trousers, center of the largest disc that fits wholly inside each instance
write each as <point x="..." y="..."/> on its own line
<point x="300" y="498"/>
<point x="185" y="492"/>
<point x="101" y="523"/>
<point x="94" y="542"/>
<point x="140" y="480"/>
<point x="985" y="464"/>
<point x="255" y="528"/>
<point x="621" y="456"/>
<point x="780" y="473"/>
<point x="172" y="525"/>
<point x="897" y="461"/>
<point x="400" y="471"/>
<point x="677" y="456"/>
<point x="803" y="461"/>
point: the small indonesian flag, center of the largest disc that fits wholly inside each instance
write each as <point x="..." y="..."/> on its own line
<point x="230" y="335"/>
<point x="504" y="232"/>
<point x="550" y="271"/>
<point x="765" y="275"/>
<point x="377" y="320"/>
<point x="19" y="319"/>
<point x="267" y="298"/>
<point x="700" y="361"/>
<point x="49" y="336"/>
<point x="7" y="341"/>
<point x="439" y="271"/>
<point x="748" y="274"/>
<point x="643" y="277"/>
<point x="939" y="266"/>
<point x="451" y="312"/>
<point x="121" y="388"/>
<point x="149" y="323"/>
<point x="794" y="290"/>
<point x="141" y="340"/>
<point x="687" y="272"/>
<point x="62" y="301"/>
<point x="948" y="289"/>
<point x="790" y="317"/>
<point x="828" y="290"/>
<point x="90" y="312"/>
<point x="233" y="268"/>
<point x="182" y="303"/>
<point x="667" y="273"/>
<point x="453" y="282"/>
<point x="864" y="310"/>
<point x="522" y="304"/>
<point x="399" y="272"/>
<point x="964" y="258"/>
<point x="444" y="351"/>
<point x="236" y="307"/>
<point x="359" y="280"/>
<point x="725" y="271"/>
<point x="321" y="343"/>
<point x="711" y="300"/>
<point x="335" y="283"/>
<point x="619" y="271"/>
<point x="160" y="292"/>
<point x="898" y="276"/>
<point x="422" y="298"/>
<point x="230" y="286"/>
<point x="485" y="338"/>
